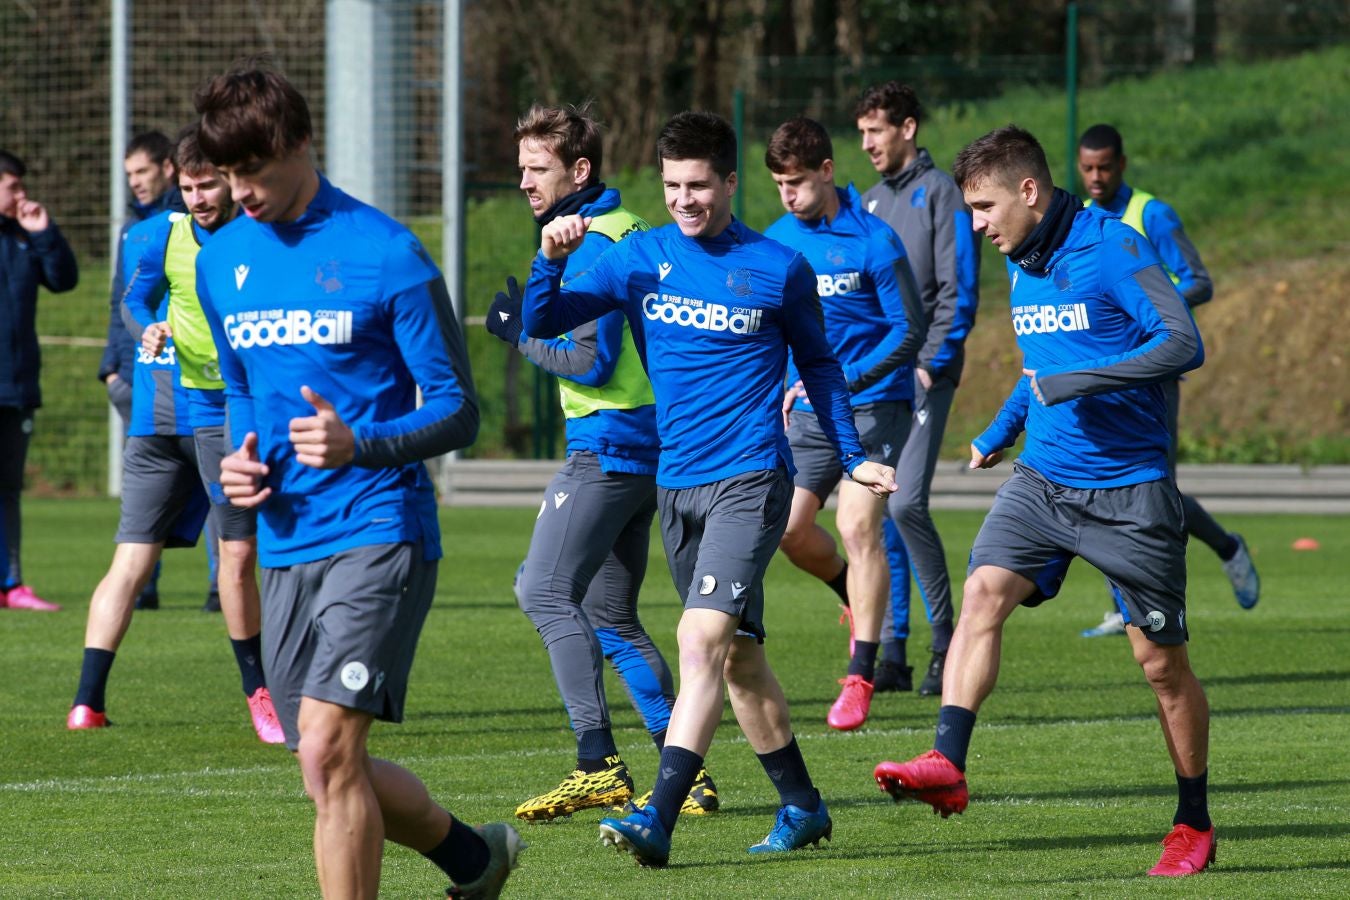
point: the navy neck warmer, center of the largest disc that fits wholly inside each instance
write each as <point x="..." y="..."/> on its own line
<point x="1034" y="252"/>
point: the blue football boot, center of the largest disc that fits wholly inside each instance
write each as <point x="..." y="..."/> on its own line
<point x="796" y="828"/>
<point x="640" y="834"/>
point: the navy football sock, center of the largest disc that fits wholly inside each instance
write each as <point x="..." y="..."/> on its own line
<point x="894" y="651"/>
<point x="864" y="661"/>
<point x="676" y="773"/>
<point x="955" y="723"/>
<point x="594" y="749"/>
<point x="787" y="770"/>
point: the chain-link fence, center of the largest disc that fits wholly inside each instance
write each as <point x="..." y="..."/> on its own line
<point x="639" y="61"/>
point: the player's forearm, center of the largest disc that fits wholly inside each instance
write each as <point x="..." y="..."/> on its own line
<point x="1009" y="422"/>
<point x="548" y="310"/>
<point x="449" y="423"/>
<point x="576" y="359"/>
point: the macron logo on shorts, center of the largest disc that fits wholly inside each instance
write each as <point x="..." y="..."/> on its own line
<point x="559" y="499"/>
<point x="736" y="590"/>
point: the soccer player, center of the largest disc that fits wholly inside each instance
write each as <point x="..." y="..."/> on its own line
<point x="581" y="577"/>
<point x="875" y="324"/>
<point x="153" y="180"/>
<point x="33" y="254"/>
<point x="329" y="317"/>
<point x="163" y="500"/>
<point x="713" y="308"/>
<point x="161" y="504"/>
<point x="924" y="206"/>
<point x="170" y="262"/>
<point x="1101" y="163"/>
<point x="1100" y="327"/>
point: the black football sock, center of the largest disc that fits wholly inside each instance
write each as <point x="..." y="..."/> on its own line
<point x="839" y="584"/>
<point x="1193" y="802"/>
<point x="94" y="678"/>
<point x="463" y="855"/>
<point x="248" y="653"/>
<point x="893" y="651"/>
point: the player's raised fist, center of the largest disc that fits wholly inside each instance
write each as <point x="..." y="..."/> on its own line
<point x="563" y="235"/>
<point x="322" y="440"/>
<point x="241" y="474"/>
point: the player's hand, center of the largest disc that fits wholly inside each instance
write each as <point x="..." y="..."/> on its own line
<point x="563" y="235"/>
<point x="241" y="474"/>
<point x="925" y="379"/>
<point x="878" y="479"/>
<point x="1035" y="387"/>
<point x="32" y="217"/>
<point x="503" y="316"/>
<point x="322" y="440"/>
<point x="980" y="461"/>
<point x="790" y="399"/>
<point x="155" y="336"/>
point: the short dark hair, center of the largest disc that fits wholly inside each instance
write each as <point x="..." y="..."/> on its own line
<point x="798" y="143"/>
<point x="569" y="133"/>
<point x="251" y="112"/>
<point x="12" y="165"/>
<point x="188" y="155"/>
<point x="897" y="100"/>
<point x="699" y="135"/>
<point x="1007" y="154"/>
<point x="154" y="144"/>
<point x="1102" y="137"/>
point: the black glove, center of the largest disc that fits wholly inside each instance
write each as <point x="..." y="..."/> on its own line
<point x="503" y="316"/>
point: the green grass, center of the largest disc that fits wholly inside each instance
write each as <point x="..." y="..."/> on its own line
<point x="1072" y="785"/>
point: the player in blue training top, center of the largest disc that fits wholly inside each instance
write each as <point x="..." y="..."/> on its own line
<point x="1100" y="327"/>
<point x="329" y="317"/>
<point x="1101" y="163"/>
<point x="159" y="283"/>
<point x="580" y="580"/>
<point x="874" y="322"/>
<point x="714" y="308"/>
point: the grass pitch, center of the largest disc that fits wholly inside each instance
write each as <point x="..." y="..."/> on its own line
<point x="1071" y="783"/>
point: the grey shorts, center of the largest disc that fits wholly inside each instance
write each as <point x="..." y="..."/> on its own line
<point x="720" y="538"/>
<point x="1134" y="534"/>
<point x="162" y="496"/>
<point x="883" y="429"/>
<point x="233" y="523"/>
<point x="344" y="629"/>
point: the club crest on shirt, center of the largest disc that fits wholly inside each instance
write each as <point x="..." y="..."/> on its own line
<point x="738" y="282"/>
<point x="919" y="199"/>
<point x="326" y="276"/>
<point x="835" y="254"/>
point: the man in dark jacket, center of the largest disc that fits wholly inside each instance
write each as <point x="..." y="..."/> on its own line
<point x="32" y="253"/>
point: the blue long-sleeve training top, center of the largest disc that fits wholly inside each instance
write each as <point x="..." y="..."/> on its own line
<point x="1101" y="326"/>
<point x="874" y="318"/>
<point x="713" y="320"/>
<point x="1162" y="227"/>
<point x="159" y="402"/>
<point x="346" y="301"/>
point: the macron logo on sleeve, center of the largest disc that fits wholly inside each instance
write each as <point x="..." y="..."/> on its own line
<point x="240" y="276"/>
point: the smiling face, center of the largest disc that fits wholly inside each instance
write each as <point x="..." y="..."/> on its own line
<point x="1004" y="213"/>
<point x="207" y="197"/>
<point x="543" y="177"/>
<point x="890" y="147"/>
<point x="698" y="199"/>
